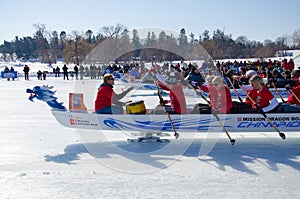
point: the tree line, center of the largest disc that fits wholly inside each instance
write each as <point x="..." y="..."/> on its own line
<point x="51" y="46"/>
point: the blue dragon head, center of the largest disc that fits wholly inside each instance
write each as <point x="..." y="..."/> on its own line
<point x="44" y="93"/>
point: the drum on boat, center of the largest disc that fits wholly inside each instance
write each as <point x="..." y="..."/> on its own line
<point x="137" y="107"/>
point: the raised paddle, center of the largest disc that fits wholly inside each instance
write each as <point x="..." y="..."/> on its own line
<point x="277" y="91"/>
<point x="232" y="141"/>
<point x="176" y="135"/>
<point x="282" y="135"/>
<point x="235" y="91"/>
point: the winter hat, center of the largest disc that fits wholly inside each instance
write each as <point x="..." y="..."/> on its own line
<point x="250" y="73"/>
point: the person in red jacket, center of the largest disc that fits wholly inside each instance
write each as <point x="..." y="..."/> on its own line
<point x="292" y="99"/>
<point x="295" y="76"/>
<point x="291" y="65"/>
<point x="284" y="64"/>
<point x="220" y="97"/>
<point x="264" y="100"/>
<point x="177" y="98"/>
<point x="107" y="101"/>
<point x="261" y="95"/>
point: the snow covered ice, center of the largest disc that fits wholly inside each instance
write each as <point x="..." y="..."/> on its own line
<point x="39" y="158"/>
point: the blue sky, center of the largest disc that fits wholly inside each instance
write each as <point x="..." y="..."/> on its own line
<point x="256" y="19"/>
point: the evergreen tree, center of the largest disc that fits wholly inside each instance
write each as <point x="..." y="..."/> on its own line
<point x="49" y="47"/>
<point x="136" y="39"/>
<point x="183" y="42"/>
<point x="205" y="35"/>
<point x="89" y="35"/>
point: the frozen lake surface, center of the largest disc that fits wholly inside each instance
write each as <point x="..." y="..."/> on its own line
<point x="39" y="158"/>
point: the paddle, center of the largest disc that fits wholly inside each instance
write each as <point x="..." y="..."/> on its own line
<point x="282" y="135"/>
<point x="232" y="141"/>
<point x="235" y="91"/>
<point x="293" y="93"/>
<point x="176" y="135"/>
<point x="277" y="91"/>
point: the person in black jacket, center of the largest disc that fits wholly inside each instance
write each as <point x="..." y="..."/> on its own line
<point x="26" y="72"/>
<point x="12" y="70"/>
<point x="57" y="71"/>
<point x="65" y="70"/>
<point x="76" y="71"/>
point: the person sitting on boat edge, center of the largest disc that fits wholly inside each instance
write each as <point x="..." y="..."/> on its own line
<point x="195" y="76"/>
<point x="261" y="95"/>
<point x="220" y="98"/>
<point x="107" y="101"/>
<point x="265" y="100"/>
<point x="177" y="99"/>
<point x="294" y="97"/>
<point x="239" y="81"/>
<point x="231" y="79"/>
<point x="202" y="108"/>
<point x="244" y="84"/>
<point x="295" y="75"/>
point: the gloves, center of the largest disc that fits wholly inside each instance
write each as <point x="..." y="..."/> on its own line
<point x="288" y="87"/>
<point x="214" y="112"/>
<point x="163" y="102"/>
<point x="258" y="109"/>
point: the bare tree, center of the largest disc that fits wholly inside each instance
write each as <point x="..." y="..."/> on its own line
<point x="42" y="43"/>
<point x="54" y="47"/>
<point x="111" y="31"/>
<point x="76" y="48"/>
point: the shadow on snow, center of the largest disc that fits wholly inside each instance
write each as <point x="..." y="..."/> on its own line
<point x="268" y="152"/>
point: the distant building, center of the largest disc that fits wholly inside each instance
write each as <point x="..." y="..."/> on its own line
<point x="290" y="54"/>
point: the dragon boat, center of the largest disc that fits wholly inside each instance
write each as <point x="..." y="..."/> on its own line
<point x="193" y="123"/>
<point x="137" y="120"/>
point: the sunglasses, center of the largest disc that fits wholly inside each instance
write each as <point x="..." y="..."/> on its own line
<point x="110" y="79"/>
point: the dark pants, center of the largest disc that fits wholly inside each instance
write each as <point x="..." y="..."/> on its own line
<point x="288" y="108"/>
<point x="201" y="109"/>
<point x="66" y="76"/>
<point x="26" y="76"/>
<point x="114" y="109"/>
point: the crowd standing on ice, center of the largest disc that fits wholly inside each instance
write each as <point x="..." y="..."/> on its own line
<point x="216" y="80"/>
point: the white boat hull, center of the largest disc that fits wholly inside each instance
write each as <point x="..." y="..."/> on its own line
<point x="195" y="123"/>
